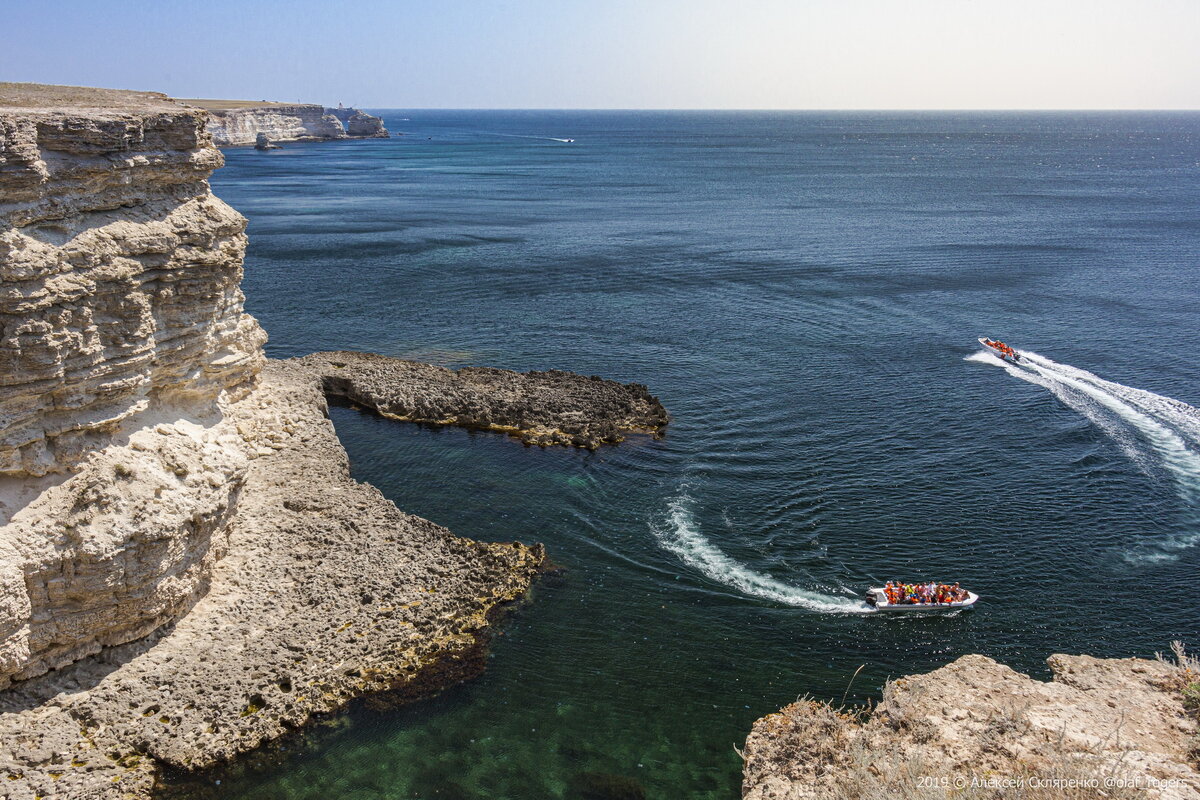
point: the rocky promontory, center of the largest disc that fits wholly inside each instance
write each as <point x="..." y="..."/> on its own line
<point x="542" y="408"/>
<point x="236" y="123"/>
<point x="325" y="591"/>
<point x="1102" y="728"/>
<point x="187" y="567"/>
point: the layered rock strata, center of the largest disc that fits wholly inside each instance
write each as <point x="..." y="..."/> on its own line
<point x="976" y="728"/>
<point x="120" y="271"/>
<point x="542" y="408"/>
<point x="120" y="307"/>
<point x="327" y="592"/>
<point x="234" y="123"/>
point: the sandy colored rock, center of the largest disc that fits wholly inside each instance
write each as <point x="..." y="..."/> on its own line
<point x="119" y="271"/>
<point x="327" y="592"/>
<point x="359" y="124"/>
<point x="973" y="720"/>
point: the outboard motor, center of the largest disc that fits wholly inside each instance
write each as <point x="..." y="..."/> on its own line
<point x="870" y="598"/>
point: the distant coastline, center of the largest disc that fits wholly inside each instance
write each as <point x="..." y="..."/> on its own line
<point x="241" y="123"/>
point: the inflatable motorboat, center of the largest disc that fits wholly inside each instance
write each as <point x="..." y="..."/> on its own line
<point x="878" y="598"/>
<point x="1000" y="349"/>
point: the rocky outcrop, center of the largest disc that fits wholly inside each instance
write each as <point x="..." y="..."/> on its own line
<point x="542" y="408"/>
<point x="359" y="124"/>
<point x="327" y="592"/>
<point x="235" y="123"/>
<point x="976" y="728"/>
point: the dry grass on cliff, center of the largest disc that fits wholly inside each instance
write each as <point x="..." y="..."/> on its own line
<point x="850" y="755"/>
<point x="1186" y="681"/>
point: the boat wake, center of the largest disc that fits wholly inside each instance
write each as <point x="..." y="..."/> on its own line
<point x="1158" y="434"/>
<point x="679" y="534"/>
<point x="526" y="136"/>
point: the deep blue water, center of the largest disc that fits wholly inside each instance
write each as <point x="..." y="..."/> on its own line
<point x="804" y="292"/>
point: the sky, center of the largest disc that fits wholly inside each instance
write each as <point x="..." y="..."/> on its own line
<point x="704" y="54"/>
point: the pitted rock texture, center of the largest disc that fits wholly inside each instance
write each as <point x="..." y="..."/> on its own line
<point x="123" y="546"/>
<point x="975" y="719"/>
<point x="542" y="408"/>
<point x="119" y="271"/>
<point x="235" y="123"/>
<point x="328" y="592"/>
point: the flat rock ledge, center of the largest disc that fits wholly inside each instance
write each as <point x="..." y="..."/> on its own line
<point x="328" y="592"/>
<point x="542" y="408"/>
<point x="1119" y="726"/>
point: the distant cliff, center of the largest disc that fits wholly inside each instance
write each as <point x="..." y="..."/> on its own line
<point x="234" y="123"/>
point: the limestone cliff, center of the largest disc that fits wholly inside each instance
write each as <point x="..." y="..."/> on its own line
<point x="234" y="123"/>
<point x="359" y="124"/>
<point x="120" y="271"/>
<point x="120" y="307"/>
<point x="1102" y="728"/>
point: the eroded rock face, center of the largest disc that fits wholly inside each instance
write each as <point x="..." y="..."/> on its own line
<point x="328" y="592"/>
<point x="121" y="333"/>
<point x="281" y="122"/>
<point x="359" y="124"/>
<point x="119" y="271"/>
<point x="125" y="545"/>
<point x="975" y="719"/>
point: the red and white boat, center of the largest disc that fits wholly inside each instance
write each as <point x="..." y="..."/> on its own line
<point x="1000" y="349"/>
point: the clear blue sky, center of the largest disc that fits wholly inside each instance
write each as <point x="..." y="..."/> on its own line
<point x="621" y="53"/>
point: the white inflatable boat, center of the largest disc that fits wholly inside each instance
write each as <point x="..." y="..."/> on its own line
<point x="877" y="597"/>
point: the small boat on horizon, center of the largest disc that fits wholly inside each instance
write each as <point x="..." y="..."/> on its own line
<point x="877" y="598"/>
<point x="999" y="348"/>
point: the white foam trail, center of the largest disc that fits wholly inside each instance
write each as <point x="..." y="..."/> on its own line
<point x="1152" y="430"/>
<point x="524" y="136"/>
<point x="680" y="535"/>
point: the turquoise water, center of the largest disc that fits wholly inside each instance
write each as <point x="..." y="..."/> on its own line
<point x="804" y="292"/>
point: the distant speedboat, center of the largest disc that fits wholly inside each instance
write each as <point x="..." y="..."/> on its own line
<point x="877" y="597"/>
<point x="1001" y="349"/>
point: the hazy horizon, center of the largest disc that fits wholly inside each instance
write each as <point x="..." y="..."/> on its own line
<point x="760" y="55"/>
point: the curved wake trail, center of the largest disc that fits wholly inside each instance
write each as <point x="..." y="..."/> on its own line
<point x="1155" y="432"/>
<point x="679" y="534"/>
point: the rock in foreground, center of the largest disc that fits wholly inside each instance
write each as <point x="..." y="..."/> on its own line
<point x="542" y="408"/>
<point x="1117" y="725"/>
<point x="327" y="592"/>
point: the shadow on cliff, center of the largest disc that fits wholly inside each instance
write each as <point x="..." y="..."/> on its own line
<point x="63" y="684"/>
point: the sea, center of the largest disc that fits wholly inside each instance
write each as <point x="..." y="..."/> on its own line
<point x="804" y="292"/>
